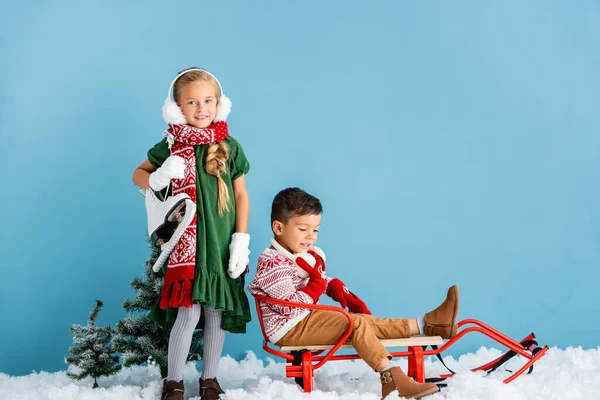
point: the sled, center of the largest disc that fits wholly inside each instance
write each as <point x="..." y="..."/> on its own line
<point x="303" y="361"/>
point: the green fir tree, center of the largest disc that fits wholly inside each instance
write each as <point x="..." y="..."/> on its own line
<point x="93" y="351"/>
<point x="139" y="338"/>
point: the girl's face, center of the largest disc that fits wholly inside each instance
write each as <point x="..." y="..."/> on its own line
<point x="198" y="103"/>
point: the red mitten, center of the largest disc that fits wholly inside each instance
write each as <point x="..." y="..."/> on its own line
<point x="336" y="290"/>
<point x="355" y="304"/>
<point x="317" y="282"/>
<point x="340" y="293"/>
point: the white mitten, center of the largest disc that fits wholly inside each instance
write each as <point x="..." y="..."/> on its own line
<point x="238" y="254"/>
<point x="172" y="168"/>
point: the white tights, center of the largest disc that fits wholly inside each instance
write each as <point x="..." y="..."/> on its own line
<point x="180" y="341"/>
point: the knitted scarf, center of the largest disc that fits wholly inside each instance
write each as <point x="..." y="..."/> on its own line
<point x="179" y="279"/>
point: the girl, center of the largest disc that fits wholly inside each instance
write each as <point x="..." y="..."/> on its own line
<point x="205" y="271"/>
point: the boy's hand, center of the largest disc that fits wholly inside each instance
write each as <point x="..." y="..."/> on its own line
<point x="335" y="290"/>
<point x="308" y="261"/>
<point x="318" y="282"/>
<point x="355" y="304"/>
<point x="340" y="293"/>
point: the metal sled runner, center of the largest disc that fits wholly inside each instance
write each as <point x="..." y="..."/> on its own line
<point x="302" y="361"/>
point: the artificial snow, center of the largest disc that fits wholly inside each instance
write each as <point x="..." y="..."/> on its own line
<point x="569" y="374"/>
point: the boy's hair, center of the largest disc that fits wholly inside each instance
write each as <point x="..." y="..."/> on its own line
<point x="293" y="202"/>
<point x="217" y="153"/>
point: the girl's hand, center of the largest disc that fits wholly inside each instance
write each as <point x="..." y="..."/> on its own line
<point x="238" y="254"/>
<point x="172" y="168"/>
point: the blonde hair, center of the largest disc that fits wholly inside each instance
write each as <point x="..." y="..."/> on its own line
<point x="217" y="153"/>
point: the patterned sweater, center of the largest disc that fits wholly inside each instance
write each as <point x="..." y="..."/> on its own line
<point x="277" y="277"/>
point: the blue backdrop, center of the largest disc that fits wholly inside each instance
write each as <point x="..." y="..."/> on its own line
<point x="450" y="142"/>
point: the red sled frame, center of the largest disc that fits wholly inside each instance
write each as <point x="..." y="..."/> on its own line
<point x="301" y="365"/>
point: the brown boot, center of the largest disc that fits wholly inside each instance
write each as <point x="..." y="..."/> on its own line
<point x="210" y="389"/>
<point x="442" y="320"/>
<point x="395" y="379"/>
<point x="172" y="390"/>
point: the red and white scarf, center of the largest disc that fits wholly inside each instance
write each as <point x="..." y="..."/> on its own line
<point x="179" y="279"/>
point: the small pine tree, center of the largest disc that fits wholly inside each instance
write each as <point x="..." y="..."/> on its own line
<point x="141" y="339"/>
<point x="93" y="350"/>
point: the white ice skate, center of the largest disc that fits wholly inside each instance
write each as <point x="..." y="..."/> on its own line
<point x="167" y="220"/>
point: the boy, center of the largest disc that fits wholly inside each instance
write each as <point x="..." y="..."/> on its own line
<point x="293" y="270"/>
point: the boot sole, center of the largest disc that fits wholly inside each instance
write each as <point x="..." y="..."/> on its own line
<point x="426" y="392"/>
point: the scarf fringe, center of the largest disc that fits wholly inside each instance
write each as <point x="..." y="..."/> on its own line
<point x="177" y="294"/>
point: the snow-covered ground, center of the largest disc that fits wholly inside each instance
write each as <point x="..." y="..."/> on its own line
<point x="572" y="373"/>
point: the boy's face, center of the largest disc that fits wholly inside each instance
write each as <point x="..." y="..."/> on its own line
<point x="299" y="233"/>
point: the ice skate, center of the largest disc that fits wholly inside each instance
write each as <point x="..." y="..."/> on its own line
<point x="167" y="220"/>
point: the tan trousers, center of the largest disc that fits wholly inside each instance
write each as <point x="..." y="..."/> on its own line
<point x="327" y="327"/>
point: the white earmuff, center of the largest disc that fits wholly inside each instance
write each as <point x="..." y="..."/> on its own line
<point x="172" y="113"/>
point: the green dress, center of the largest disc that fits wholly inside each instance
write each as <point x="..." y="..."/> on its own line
<point x="212" y="284"/>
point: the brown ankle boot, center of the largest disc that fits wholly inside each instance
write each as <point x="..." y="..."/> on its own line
<point x="442" y="320"/>
<point x="395" y="379"/>
<point x="172" y="390"/>
<point x="210" y="389"/>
